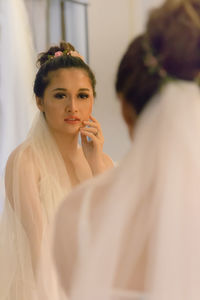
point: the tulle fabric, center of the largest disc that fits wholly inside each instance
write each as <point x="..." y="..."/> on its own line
<point x="137" y="227"/>
<point x="36" y="180"/>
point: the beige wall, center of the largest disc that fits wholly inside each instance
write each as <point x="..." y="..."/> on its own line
<point x="112" y="25"/>
<point x="110" y="31"/>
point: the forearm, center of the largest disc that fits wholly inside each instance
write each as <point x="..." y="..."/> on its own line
<point x="22" y="191"/>
<point x="98" y="168"/>
<point x="101" y="164"/>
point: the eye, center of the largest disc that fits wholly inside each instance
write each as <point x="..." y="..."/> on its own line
<point x="59" y="95"/>
<point x="83" y="95"/>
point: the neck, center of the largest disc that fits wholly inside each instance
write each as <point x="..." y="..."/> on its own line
<point x="67" y="144"/>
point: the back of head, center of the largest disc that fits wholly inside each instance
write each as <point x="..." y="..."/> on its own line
<point x="173" y="39"/>
<point x="174" y="34"/>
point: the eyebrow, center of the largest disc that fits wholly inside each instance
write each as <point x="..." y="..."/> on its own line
<point x="62" y="89"/>
<point x="84" y="89"/>
<point x="59" y="89"/>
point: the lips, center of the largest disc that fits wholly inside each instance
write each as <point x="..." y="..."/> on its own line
<point x="72" y="120"/>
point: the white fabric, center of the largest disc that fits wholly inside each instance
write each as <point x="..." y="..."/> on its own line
<point x="136" y="228"/>
<point x="39" y="10"/>
<point x="17" y="71"/>
<point x="2" y="195"/>
<point x="36" y="182"/>
<point x="76" y="26"/>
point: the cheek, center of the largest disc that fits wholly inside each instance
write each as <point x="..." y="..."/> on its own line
<point x="90" y="108"/>
<point x="53" y="115"/>
<point x="87" y="109"/>
<point x="53" y="108"/>
<point x="91" y="105"/>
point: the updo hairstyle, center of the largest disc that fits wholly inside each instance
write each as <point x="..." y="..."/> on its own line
<point x="173" y="34"/>
<point x="48" y="62"/>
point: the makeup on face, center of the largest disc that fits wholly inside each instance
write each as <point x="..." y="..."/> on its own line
<point x="68" y="100"/>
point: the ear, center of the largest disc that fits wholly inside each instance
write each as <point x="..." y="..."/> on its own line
<point x="129" y="114"/>
<point x="40" y="103"/>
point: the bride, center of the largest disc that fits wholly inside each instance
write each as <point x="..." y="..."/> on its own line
<point x="136" y="228"/>
<point x="44" y="168"/>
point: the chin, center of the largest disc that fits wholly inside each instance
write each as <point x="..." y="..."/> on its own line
<point x="74" y="130"/>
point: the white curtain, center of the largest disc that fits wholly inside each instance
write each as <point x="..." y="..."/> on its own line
<point x="38" y="13"/>
<point x="74" y="28"/>
<point x="76" y="25"/>
<point x="141" y="10"/>
<point x="55" y="31"/>
<point x="17" y="71"/>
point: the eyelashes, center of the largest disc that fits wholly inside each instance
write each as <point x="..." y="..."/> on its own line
<point x="63" y="96"/>
<point x="83" y="96"/>
<point x="59" y="96"/>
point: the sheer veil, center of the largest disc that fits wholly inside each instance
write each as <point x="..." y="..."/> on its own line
<point x="35" y="171"/>
<point x="151" y="207"/>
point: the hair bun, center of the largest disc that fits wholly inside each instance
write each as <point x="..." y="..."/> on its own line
<point x="179" y="57"/>
<point x="66" y="47"/>
<point x="44" y="56"/>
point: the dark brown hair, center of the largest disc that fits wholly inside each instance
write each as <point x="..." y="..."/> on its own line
<point x="173" y="34"/>
<point x="48" y="63"/>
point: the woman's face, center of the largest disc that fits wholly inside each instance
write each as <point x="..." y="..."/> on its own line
<point x="67" y="100"/>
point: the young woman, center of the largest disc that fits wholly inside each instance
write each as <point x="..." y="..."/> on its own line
<point x="42" y="170"/>
<point x="139" y="237"/>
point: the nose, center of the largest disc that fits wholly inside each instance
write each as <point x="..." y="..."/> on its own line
<point x="71" y="105"/>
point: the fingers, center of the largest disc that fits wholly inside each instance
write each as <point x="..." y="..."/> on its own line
<point x="84" y="138"/>
<point x="85" y="134"/>
<point x="93" y="123"/>
<point x="90" y="129"/>
<point x="93" y="119"/>
<point x="90" y="125"/>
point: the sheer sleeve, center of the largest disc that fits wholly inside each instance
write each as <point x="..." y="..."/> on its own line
<point x="21" y="227"/>
<point x="36" y="181"/>
<point x="22" y="190"/>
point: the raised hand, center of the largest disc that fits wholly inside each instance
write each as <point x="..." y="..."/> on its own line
<point x="93" y="147"/>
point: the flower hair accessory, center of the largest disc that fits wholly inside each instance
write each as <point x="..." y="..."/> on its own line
<point x="58" y="53"/>
<point x="65" y="52"/>
<point x="154" y="67"/>
<point x="151" y="61"/>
